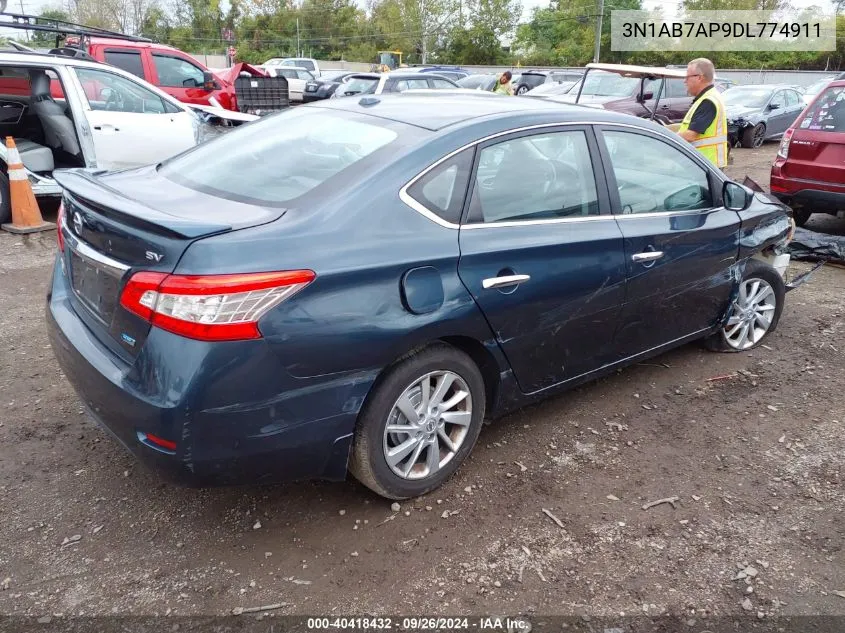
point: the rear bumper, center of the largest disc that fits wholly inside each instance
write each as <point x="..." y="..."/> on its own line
<point x="813" y="200"/>
<point x="215" y="402"/>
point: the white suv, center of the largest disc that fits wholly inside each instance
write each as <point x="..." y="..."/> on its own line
<point x="65" y="112"/>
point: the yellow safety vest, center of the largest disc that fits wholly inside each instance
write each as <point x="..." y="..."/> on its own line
<point x="713" y="144"/>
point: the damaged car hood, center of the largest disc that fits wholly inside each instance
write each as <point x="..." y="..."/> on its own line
<point x="740" y="112"/>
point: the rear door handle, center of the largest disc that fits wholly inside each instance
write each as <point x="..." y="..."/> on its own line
<point x="502" y="282"/>
<point x="106" y="128"/>
<point x="648" y="256"/>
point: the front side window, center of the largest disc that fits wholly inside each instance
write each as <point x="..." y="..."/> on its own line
<point x="280" y="157"/>
<point x="107" y="91"/>
<point x="792" y="98"/>
<point x="655" y="176"/>
<point x="541" y="177"/>
<point x="175" y="72"/>
<point x="779" y="100"/>
<point x="304" y="75"/>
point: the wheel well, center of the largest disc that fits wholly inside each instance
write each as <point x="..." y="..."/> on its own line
<point x="485" y="362"/>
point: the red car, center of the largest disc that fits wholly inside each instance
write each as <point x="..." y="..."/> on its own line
<point x="168" y="68"/>
<point x="809" y="171"/>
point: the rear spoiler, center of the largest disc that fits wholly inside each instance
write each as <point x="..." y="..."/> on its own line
<point x="84" y="185"/>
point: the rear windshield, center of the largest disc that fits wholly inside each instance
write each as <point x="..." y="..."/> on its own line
<point x="827" y="113"/>
<point x="280" y="157"/>
<point x="360" y="85"/>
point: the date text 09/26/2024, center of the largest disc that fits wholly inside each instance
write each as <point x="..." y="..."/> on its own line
<point x="420" y="623"/>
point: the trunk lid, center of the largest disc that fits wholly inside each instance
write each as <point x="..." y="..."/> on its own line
<point x="817" y="147"/>
<point x="816" y="155"/>
<point x="121" y="223"/>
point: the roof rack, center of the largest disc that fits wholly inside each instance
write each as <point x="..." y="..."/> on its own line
<point x="61" y="28"/>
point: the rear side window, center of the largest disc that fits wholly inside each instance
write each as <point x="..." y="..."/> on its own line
<point x="402" y="85"/>
<point x="540" y="177"/>
<point x="278" y="158"/>
<point x="441" y="84"/>
<point x="129" y="61"/>
<point x="442" y="190"/>
<point x="676" y="89"/>
<point x="827" y="113"/>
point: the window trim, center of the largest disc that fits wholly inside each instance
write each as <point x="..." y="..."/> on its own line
<point x="610" y="176"/>
<point x="715" y="178"/>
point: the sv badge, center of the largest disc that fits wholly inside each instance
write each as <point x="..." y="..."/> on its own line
<point x="156" y="257"/>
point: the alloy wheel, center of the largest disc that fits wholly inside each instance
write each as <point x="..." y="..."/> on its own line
<point x="752" y="314"/>
<point x="427" y="425"/>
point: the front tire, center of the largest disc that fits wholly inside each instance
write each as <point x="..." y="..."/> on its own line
<point x="419" y="423"/>
<point x="801" y="216"/>
<point x="753" y="137"/>
<point x="754" y="313"/>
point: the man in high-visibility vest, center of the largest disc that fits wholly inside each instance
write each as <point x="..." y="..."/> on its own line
<point x="705" y="126"/>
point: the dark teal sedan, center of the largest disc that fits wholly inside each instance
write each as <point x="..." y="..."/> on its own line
<point x="354" y="285"/>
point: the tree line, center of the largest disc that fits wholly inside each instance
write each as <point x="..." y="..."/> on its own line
<point x="472" y="32"/>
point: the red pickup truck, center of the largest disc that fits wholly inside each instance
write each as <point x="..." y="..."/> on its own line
<point x="175" y="72"/>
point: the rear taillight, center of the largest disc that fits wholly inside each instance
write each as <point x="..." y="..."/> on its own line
<point x="210" y="307"/>
<point x="60" y="221"/>
<point x="783" y="150"/>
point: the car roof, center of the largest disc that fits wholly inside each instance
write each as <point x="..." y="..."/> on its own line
<point x="628" y="70"/>
<point x="466" y="108"/>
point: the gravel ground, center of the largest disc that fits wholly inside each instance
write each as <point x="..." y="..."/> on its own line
<point x="546" y="516"/>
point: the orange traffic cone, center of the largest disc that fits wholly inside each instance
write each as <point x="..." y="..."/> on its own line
<point x="26" y="216"/>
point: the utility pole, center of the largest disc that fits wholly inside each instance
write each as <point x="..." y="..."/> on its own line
<point x="598" y="32"/>
<point x="298" y="48"/>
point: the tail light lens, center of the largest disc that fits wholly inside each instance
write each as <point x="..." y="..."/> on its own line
<point x="783" y="150"/>
<point x="60" y="221"/>
<point x="210" y="307"/>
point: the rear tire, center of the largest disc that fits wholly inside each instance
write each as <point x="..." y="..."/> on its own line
<point x="522" y="89"/>
<point x="437" y="436"/>
<point x="757" y="310"/>
<point x="5" y="200"/>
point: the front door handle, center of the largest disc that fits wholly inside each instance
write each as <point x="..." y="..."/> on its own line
<point x="504" y="281"/>
<point x="648" y="256"/>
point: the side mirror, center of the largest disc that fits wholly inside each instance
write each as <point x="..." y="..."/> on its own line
<point x="774" y="106"/>
<point x="208" y="81"/>
<point x="735" y="197"/>
<point x="645" y="96"/>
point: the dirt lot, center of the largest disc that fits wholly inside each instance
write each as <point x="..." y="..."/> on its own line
<point x="755" y="459"/>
